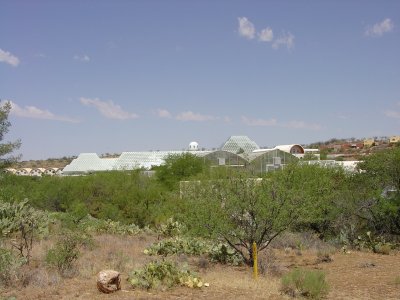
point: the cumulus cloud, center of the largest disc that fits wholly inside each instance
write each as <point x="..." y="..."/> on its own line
<point x="37" y="113"/>
<point x="246" y="28"/>
<point x="8" y="58"/>
<point x="82" y="58"/>
<point x="392" y="114"/>
<point x="163" y="113"/>
<point x="259" y="122"/>
<point x="274" y="122"/>
<point x="286" y="39"/>
<point x="108" y="109"/>
<point x="191" y="116"/>
<point x="379" y="29"/>
<point x="266" y="35"/>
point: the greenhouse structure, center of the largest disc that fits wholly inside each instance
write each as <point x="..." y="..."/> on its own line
<point x="237" y="151"/>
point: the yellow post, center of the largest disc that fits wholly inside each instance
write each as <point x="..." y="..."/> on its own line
<point x="255" y="263"/>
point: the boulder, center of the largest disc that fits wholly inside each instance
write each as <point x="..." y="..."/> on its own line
<point x="108" y="281"/>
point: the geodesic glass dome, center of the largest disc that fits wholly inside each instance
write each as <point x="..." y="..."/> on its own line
<point x="239" y="144"/>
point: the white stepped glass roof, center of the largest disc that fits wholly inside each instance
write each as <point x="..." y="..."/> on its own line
<point x="91" y="162"/>
<point x="135" y="160"/>
<point x="87" y="162"/>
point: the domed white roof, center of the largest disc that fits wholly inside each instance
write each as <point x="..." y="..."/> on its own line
<point x="193" y="146"/>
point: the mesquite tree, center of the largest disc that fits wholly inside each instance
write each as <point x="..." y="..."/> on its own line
<point x="244" y="210"/>
<point x="8" y="147"/>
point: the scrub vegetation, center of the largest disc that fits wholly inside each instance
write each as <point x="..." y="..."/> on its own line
<point x="193" y="216"/>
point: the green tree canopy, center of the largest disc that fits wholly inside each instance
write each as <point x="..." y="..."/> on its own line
<point x="243" y="210"/>
<point x="7" y="147"/>
<point x="179" y="167"/>
<point x="380" y="177"/>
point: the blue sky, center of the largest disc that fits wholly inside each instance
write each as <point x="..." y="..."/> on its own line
<point x="113" y="76"/>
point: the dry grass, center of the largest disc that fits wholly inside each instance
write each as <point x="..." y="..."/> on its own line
<point x="115" y="252"/>
<point x="239" y="283"/>
<point x="345" y="274"/>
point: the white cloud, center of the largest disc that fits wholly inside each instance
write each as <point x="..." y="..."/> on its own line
<point x="8" y="58"/>
<point x="287" y="39"/>
<point x="259" y="122"/>
<point x="274" y="122"/>
<point x="37" y="113"/>
<point x="246" y="28"/>
<point x="379" y="29"/>
<point x="163" y="113"/>
<point x="266" y="35"/>
<point x="191" y="116"/>
<point x="108" y="109"/>
<point x="82" y="58"/>
<point x="393" y="114"/>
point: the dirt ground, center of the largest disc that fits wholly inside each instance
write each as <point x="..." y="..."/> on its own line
<point x="353" y="275"/>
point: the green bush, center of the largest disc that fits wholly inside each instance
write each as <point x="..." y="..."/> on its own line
<point x="224" y="254"/>
<point x="128" y="197"/>
<point x="178" y="245"/>
<point x="310" y="284"/>
<point x="163" y="274"/>
<point x="93" y="225"/>
<point x="171" y="228"/>
<point x="219" y="252"/>
<point x="384" y="248"/>
<point x="9" y="264"/>
<point x="66" y="251"/>
<point x="22" y="223"/>
<point x="375" y="243"/>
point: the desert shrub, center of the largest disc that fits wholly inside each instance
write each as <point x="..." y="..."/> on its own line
<point x="22" y="223"/>
<point x="224" y="254"/>
<point x="128" y="197"/>
<point x="9" y="264"/>
<point x="93" y="225"/>
<point x="66" y="251"/>
<point x="217" y="252"/>
<point x="324" y="256"/>
<point x="268" y="263"/>
<point x="163" y="274"/>
<point x="383" y="248"/>
<point x="310" y="284"/>
<point x="171" y="228"/>
<point x="178" y="245"/>
<point x="376" y="244"/>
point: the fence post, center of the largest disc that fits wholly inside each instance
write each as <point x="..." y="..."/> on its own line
<point x="255" y="261"/>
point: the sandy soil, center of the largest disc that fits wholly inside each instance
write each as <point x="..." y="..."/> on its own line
<point x="354" y="275"/>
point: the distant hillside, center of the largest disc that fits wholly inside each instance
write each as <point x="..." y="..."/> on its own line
<point x="335" y="148"/>
<point x="53" y="162"/>
<point x="48" y="163"/>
